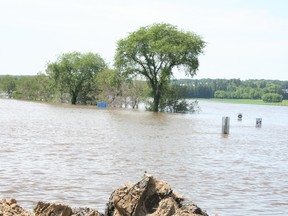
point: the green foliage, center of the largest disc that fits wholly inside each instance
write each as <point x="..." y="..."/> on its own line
<point x="26" y="87"/>
<point x="272" y="98"/>
<point x="33" y="88"/>
<point x="107" y="82"/>
<point x="231" y="89"/>
<point x="248" y="101"/>
<point x="8" y="85"/>
<point x="136" y="92"/>
<point x="153" y="51"/>
<point x="273" y="88"/>
<point x="108" y="86"/>
<point x="220" y="94"/>
<point x="73" y="74"/>
<point x="171" y="102"/>
<point x="118" y="90"/>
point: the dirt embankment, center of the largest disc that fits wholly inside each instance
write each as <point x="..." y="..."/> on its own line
<point x="149" y="196"/>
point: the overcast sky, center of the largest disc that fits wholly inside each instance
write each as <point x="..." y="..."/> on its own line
<point x="246" y="39"/>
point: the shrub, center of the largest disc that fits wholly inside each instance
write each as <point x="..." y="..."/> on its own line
<point x="220" y="94"/>
<point x="272" y="98"/>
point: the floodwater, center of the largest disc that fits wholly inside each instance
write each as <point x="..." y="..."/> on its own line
<point x="78" y="155"/>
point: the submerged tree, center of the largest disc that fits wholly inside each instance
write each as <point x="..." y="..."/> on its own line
<point x="108" y="86"/>
<point x="8" y="84"/>
<point x="33" y="88"/>
<point x="117" y="90"/>
<point x="73" y="73"/>
<point x="154" y="51"/>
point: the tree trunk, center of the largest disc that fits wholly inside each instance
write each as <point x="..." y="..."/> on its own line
<point x="74" y="97"/>
<point x="156" y="101"/>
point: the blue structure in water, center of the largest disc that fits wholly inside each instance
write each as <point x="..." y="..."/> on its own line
<point x="102" y="104"/>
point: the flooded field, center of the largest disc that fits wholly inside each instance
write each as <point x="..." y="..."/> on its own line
<point x="78" y="155"/>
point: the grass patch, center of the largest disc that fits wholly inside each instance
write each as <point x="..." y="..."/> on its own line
<point x="247" y="101"/>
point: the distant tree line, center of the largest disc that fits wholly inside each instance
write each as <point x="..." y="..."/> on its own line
<point x="268" y="90"/>
<point x="118" y="91"/>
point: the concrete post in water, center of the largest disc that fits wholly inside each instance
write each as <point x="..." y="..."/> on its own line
<point x="258" y="122"/>
<point x="240" y="116"/>
<point x="225" y="125"/>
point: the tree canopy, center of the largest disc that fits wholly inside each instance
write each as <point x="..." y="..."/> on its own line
<point x="153" y="51"/>
<point x="8" y="84"/>
<point x="73" y="73"/>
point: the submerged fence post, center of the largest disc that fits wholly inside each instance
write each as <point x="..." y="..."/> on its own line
<point x="258" y="122"/>
<point x="240" y="116"/>
<point x="225" y="125"/>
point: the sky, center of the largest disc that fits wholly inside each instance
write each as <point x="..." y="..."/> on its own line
<point x="246" y="39"/>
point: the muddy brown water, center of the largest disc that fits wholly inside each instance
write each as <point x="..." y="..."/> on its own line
<point x="78" y="155"/>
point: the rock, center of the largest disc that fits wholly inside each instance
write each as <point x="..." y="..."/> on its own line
<point x="9" y="207"/>
<point x="52" y="209"/>
<point x="85" y="212"/>
<point x="150" y="197"/>
<point x="14" y="206"/>
<point x="11" y="201"/>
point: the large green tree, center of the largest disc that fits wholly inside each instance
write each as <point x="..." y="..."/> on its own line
<point x="154" y="51"/>
<point x="73" y="73"/>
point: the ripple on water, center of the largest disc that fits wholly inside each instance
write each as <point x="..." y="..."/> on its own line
<point x="78" y="156"/>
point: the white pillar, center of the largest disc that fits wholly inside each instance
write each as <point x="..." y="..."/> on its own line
<point x="225" y="124"/>
<point x="258" y="122"/>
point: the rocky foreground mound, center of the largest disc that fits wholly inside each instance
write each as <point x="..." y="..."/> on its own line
<point x="149" y="196"/>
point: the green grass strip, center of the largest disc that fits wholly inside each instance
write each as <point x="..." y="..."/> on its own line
<point x="245" y="101"/>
